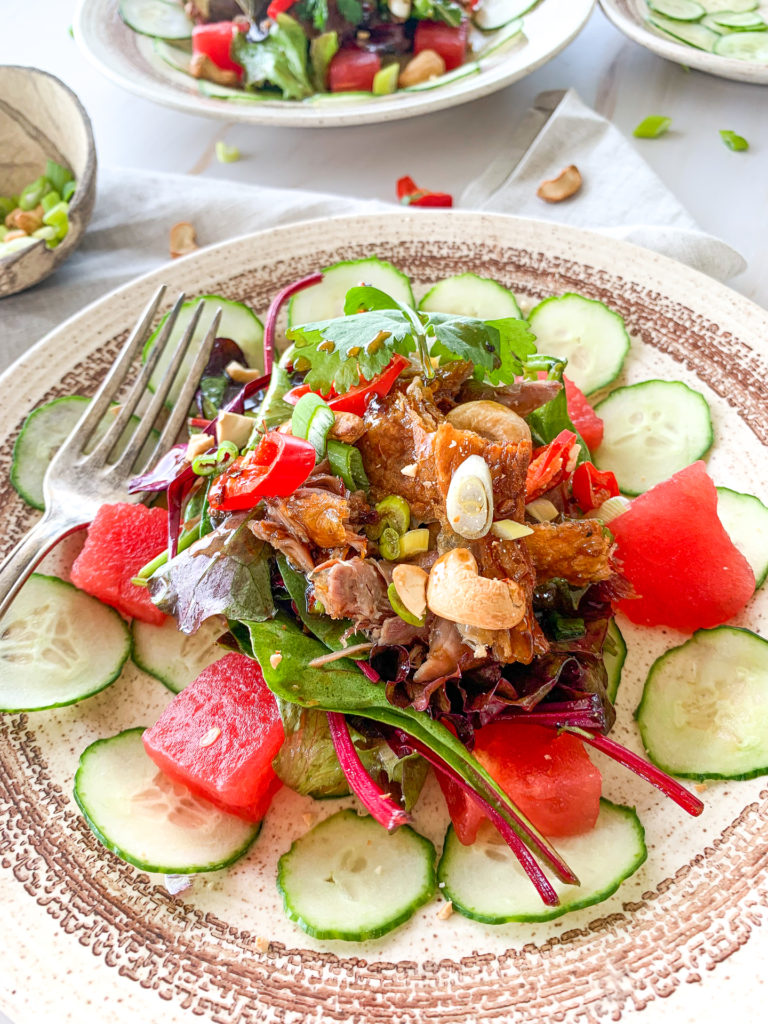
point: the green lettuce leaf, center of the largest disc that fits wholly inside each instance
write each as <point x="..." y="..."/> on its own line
<point x="280" y="59"/>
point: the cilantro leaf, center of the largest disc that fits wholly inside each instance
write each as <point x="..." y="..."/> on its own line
<point x="352" y="355"/>
<point x="499" y="347"/>
<point x="438" y="10"/>
<point x="516" y="344"/>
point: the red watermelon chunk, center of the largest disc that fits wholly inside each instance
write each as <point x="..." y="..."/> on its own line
<point x="583" y="416"/>
<point x="551" y="779"/>
<point x="219" y="737"/>
<point x="121" y="540"/>
<point x="673" y="549"/>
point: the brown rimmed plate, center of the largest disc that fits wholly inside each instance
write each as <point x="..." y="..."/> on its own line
<point x="89" y="939"/>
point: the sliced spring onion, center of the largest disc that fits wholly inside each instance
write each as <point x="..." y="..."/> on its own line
<point x="68" y="191"/>
<point x="414" y="542"/>
<point x="652" y="127"/>
<point x="564" y="628"/>
<point x="469" y="502"/>
<point x="31" y="195"/>
<point x="312" y="420"/>
<point x="347" y="463"/>
<point x="395" y="512"/>
<point x="508" y="529"/>
<point x="399" y="608"/>
<point x="389" y="544"/>
<point x="226" y="154"/>
<point x="609" y="510"/>
<point x="542" y="510"/>
<point x="733" y="141"/>
<point x="57" y="175"/>
<point x="50" y="200"/>
<point x="210" y="462"/>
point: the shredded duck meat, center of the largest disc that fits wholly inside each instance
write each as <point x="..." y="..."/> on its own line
<point x="578" y="552"/>
<point x="521" y="397"/>
<point x="353" y="588"/>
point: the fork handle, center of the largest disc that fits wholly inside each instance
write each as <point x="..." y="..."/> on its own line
<point x="32" y="547"/>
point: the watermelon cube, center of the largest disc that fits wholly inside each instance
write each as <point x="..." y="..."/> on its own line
<point x="219" y="737"/>
<point x="121" y="540"/>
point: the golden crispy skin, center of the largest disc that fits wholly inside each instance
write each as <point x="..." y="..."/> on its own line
<point x="578" y="552"/>
<point x="508" y="464"/>
<point x="400" y="435"/>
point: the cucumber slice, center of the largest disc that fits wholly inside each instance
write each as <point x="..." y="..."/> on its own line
<point x="470" y="295"/>
<point x="173" y="657"/>
<point x="740" y="21"/>
<point x="708" y="22"/>
<point x="502" y="38"/>
<point x="652" y="430"/>
<point x="347" y="878"/>
<point x="470" y="68"/>
<point x="225" y="92"/>
<point x="587" y="333"/>
<point x="485" y="881"/>
<point x="704" y="710"/>
<point x="173" y="56"/>
<point x="43" y="433"/>
<point x="149" y="820"/>
<point x="751" y="46"/>
<point x="745" y="519"/>
<point x="493" y="14"/>
<point x="614" y="656"/>
<point x="156" y="18"/>
<point x="678" y="10"/>
<point x="716" y="6"/>
<point x="48" y="657"/>
<point x="690" y="32"/>
<point x="325" y="301"/>
<point x="238" y="322"/>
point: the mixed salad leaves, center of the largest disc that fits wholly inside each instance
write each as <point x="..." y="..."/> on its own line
<point x="409" y="538"/>
<point x="301" y="49"/>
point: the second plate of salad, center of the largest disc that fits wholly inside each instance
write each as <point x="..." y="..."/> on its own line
<point x="322" y="63"/>
<point x="431" y="347"/>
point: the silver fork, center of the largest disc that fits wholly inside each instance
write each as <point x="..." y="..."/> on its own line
<point x="77" y="482"/>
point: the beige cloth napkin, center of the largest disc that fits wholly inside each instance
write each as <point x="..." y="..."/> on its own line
<point x="128" y="235"/>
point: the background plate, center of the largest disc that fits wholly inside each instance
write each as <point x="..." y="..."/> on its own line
<point x="629" y="16"/>
<point x="89" y="939"/>
<point x="128" y="59"/>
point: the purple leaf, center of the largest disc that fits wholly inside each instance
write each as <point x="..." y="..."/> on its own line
<point x="274" y="309"/>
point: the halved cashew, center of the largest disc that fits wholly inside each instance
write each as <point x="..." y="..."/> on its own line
<point x="242" y="374"/>
<point x="491" y="420"/>
<point x="425" y="65"/>
<point x="411" y="586"/>
<point x="565" y="185"/>
<point x="198" y="444"/>
<point x="457" y="592"/>
<point x="182" y="239"/>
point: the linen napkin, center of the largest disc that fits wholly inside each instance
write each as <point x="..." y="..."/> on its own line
<point x="128" y="234"/>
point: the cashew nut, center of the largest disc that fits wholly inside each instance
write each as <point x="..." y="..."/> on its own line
<point x="565" y="185"/>
<point x="411" y="585"/>
<point x="491" y="420"/>
<point x="425" y="65"/>
<point x="182" y="239"/>
<point x="457" y="592"/>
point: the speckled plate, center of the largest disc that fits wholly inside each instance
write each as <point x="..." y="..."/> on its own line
<point x="130" y="61"/>
<point x="88" y="939"/>
<point x="630" y="17"/>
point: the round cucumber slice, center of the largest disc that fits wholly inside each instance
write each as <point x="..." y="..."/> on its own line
<point x="614" y="656"/>
<point x="470" y="68"/>
<point x="325" y="301"/>
<point x="751" y="46"/>
<point x="485" y="881"/>
<point x="43" y="433"/>
<point x="740" y="21"/>
<point x="173" y="56"/>
<point x="348" y="878"/>
<point x="716" y="6"/>
<point x="704" y="710"/>
<point x="652" y="430"/>
<point x="173" y="657"/>
<point x="48" y="657"/>
<point x="678" y="10"/>
<point x="238" y="323"/>
<point x="745" y="519"/>
<point x="162" y="18"/>
<point x="692" y="33"/>
<point x="470" y="295"/>
<point x="512" y="32"/>
<point x="492" y="14"/>
<point x="149" y="820"/>
<point x="587" y="333"/>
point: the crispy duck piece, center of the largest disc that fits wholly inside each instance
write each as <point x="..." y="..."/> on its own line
<point x="578" y="552"/>
<point x="353" y="588"/>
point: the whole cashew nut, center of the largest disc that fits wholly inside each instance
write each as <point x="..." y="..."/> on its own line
<point x="491" y="420"/>
<point x="456" y="591"/>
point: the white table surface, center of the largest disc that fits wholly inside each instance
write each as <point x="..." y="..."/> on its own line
<point x="726" y="192"/>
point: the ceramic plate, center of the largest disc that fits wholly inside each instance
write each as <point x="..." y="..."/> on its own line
<point x="630" y="17"/>
<point x="88" y="939"/>
<point x="130" y="61"/>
